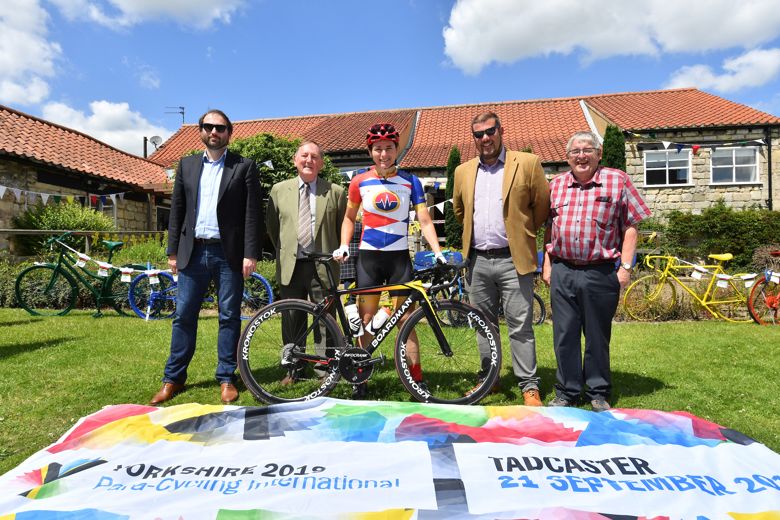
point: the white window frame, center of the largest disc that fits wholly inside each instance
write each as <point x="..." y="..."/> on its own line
<point x="732" y="149"/>
<point x="667" y="185"/>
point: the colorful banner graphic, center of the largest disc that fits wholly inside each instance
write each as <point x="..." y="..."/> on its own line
<point x="330" y="458"/>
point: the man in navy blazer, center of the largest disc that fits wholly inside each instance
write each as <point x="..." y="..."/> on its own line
<point x="214" y="233"/>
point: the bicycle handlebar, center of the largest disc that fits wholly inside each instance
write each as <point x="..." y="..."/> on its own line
<point x="59" y="238"/>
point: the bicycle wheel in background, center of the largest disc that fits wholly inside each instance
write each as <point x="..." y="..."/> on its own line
<point x="731" y="302"/>
<point x="271" y="369"/>
<point x="540" y="310"/>
<point x="118" y="295"/>
<point x="462" y="378"/>
<point x="45" y="290"/>
<point x="764" y="302"/>
<point x="153" y="301"/>
<point x="257" y="294"/>
<point x="649" y="298"/>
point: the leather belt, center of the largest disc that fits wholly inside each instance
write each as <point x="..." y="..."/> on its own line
<point x="208" y="241"/>
<point x="501" y="251"/>
<point x="580" y="264"/>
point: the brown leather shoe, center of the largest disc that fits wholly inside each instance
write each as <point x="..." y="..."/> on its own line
<point x="166" y="393"/>
<point x="229" y="392"/>
<point x="531" y="397"/>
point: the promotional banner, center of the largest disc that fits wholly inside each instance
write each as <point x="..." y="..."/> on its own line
<point x="330" y="458"/>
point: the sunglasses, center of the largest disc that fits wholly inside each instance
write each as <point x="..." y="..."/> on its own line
<point x="479" y="134"/>
<point x="208" y="127"/>
<point x="382" y="129"/>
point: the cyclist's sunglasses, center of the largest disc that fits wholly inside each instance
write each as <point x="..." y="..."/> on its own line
<point x="208" y="127"/>
<point x="382" y="129"/>
<point x="478" y="134"/>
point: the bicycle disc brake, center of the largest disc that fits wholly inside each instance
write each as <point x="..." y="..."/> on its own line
<point x="354" y="367"/>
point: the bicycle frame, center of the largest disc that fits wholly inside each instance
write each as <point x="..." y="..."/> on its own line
<point x="674" y="265"/>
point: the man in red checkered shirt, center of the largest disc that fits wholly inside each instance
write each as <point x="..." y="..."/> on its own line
<point x="594" y="212"/>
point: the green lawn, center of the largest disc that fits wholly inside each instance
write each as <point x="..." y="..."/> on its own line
<point x="56" y="370"/>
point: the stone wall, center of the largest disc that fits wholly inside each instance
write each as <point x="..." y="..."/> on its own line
<point x="131" y="215"/>
<point x="701" y="193"/>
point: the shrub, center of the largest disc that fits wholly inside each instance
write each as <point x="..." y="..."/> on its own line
<point x="63" y="216"/>
<point x="614" y="148"/>
<point x="143" y="250"/>
<point x="452" y="228"/>
<point x="763" y="259"/>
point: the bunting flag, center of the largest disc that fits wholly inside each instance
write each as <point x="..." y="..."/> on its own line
<point x="2" y="191"/>
<point x="269" y="164"/>
<point x="353" y="460"/>
<point x="695" y="147"/>
<point x="31" y="197"/>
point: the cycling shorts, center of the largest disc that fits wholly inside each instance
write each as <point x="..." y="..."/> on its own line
<point x="384" y="267"/>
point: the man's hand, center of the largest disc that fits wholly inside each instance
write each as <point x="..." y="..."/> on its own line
<point x="249" y="267"/>
<point x="172" y="264"/>
<point x="624" y="277"/>
<point x="341" y="254"/>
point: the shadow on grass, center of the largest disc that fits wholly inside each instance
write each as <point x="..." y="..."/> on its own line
<point x="627" y="384"/>
<point x="20" y="322"/>
<point x="21" y="348"/>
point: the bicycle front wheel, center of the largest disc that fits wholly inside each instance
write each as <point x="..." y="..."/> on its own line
<point x="257" y="294"/>
<point x="117" y="294"/>
<point x="466" y="375"/>
<point x="764" y="302"/>
<point x="540" y="310"/>
<point x="649" y="298"/>
<point x="46" y="290"/>
<point x="287" y="353"/>
<point x="153" y="301"/>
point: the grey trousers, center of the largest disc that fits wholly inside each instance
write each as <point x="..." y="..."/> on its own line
<point x="584" y="300"/>
<point x="493" y="280"/>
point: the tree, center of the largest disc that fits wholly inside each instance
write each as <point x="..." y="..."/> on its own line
<point x="614" y="154"/>
<point x="280" y="151"/>
<point x="452" y="228"/>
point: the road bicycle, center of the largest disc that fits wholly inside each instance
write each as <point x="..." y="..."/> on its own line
<point x="152" y="295"/>
<point x="278" y="365"/>
<point x="764" y="299"/>
<point x="457" y="291"/>
<point x="654" y="296"/>
<point x="52" y="289"/>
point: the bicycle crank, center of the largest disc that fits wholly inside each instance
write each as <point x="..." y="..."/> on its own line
<point x="356" y="365"/>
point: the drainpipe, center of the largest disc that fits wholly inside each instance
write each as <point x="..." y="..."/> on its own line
<point x="768" y="139"/>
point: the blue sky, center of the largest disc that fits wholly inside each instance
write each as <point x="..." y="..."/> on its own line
<point x="110" y="68"/>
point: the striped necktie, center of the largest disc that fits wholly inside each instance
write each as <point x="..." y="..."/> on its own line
<point x="304" y="217"/>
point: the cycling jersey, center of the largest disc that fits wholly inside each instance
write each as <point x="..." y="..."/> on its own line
<point x="386" y="204"/>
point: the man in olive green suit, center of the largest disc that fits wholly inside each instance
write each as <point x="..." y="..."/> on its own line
<point x="304" y="214"/>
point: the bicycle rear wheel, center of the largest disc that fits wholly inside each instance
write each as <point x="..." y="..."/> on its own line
<point x="764" y="302"/>
<point x="270" y="360"/>
<point x="540" y="310"/>
<point x="45" y="290"/>
<point x="257" y="294"/>
<point x="153" y="301"/>
<point x="649" y="298"/>
<point x="464" y="377"/>
<point x="731" y="302"/>
<point x="118" y="296"/>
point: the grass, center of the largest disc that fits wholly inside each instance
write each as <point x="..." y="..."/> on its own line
<point x="55" y="370"/>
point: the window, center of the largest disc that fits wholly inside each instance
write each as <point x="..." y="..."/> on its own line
<point x="667" y="167"/>
<point x="734" y="165"/>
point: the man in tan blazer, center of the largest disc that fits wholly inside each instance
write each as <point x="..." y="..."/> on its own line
<point x="304" y="214"/>
<point x="502" y="198"/>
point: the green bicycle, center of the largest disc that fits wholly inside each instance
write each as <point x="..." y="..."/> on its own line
<point x="52" y="289"/>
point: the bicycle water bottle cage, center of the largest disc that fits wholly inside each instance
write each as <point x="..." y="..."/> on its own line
<point x="723" y="257"/>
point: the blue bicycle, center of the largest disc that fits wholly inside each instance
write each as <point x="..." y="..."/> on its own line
<point x="153" y="297"/>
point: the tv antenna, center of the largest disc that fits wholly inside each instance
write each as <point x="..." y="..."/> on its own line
<point x="179" y="110"/>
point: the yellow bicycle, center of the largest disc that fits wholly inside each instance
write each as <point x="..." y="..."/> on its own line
<point x="654" y="296"/>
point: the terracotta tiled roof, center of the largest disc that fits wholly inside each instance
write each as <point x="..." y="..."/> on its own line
<point x="28" y="137"/>
<point x="544" y="125"/>
<point x="680" y="108"/>
<point x="335" y="133"/>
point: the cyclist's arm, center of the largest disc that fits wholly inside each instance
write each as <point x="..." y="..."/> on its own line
<point x="348" y="225"/>
<point x="427" y="227"/>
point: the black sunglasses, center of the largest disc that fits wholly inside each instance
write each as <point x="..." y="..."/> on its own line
<point x="382" y="129"/>
<point x="208" y="127"/>
<point x="478" y="134"/>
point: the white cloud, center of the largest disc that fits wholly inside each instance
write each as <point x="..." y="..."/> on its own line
<point x="119" y="14"/>
<point x="752" y="69"/>
<point x="112" y="123"/>
<point x="481" y="32"/>
<point x="27" y="58"/>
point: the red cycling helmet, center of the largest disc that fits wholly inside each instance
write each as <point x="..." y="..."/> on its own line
<point x="381" y="132"/>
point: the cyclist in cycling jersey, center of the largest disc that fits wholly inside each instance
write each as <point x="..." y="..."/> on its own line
<point x="386" y="195"/>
